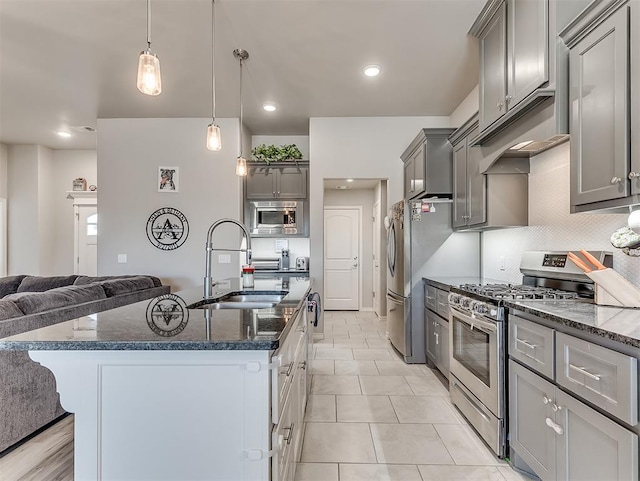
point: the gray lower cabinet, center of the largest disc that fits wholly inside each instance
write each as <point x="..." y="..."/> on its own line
<point x="604" y="85"/>
<point x="563" y="439"/>
<point x="437" y="328"/>
<point x="469" y="185"/>
<point x="276" y="181"/>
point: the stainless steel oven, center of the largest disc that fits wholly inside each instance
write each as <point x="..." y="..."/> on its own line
<point x="276" y="217"/>
<point x="476" y="343"/>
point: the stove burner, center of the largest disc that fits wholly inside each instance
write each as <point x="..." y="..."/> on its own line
<point x="517" y="292"/>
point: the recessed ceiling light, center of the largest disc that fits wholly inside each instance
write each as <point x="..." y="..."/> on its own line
<point x="343" y="187"/>
<point x="85" y="129"/>
<point x="63" y="133"/>
<point x="371" y="70"/>
<point x="269" y="107"/>
<point x="349" y="180"/>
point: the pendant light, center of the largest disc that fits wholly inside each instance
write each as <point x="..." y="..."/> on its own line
<point x="214" y="141"/>
<point x="149" y="81"/>
<point x="241" y="162"/>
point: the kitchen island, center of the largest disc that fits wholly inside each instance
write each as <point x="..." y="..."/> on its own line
<point x="165" y="391"/>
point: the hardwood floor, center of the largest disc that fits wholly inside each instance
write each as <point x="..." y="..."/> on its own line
<point x="48" y="456"/>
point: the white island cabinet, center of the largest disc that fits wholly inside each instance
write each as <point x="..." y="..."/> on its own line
<point x="223" y="399"/>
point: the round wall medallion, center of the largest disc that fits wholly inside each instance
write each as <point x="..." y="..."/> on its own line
<point x="167" y="228"/>
<point x="167" y="315"/>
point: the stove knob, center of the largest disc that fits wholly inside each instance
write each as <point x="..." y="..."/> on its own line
<point x="480" y="308"/>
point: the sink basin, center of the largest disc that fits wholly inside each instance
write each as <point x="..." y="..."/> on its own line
<point x="242" y="300"/>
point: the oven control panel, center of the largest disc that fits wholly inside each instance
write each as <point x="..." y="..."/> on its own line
<point x="554" y="260"/>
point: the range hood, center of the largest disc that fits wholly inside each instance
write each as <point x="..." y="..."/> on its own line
<point x="543" y="127"/>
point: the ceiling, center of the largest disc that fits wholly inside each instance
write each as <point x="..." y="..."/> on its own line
<point x="66" y="63"/>
<point x="355" y="184"/>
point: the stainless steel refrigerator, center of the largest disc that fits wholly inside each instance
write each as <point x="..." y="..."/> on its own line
<point x="420" y="246"/>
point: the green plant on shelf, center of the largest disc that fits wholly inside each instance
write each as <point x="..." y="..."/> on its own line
<point x="271" y="153"/>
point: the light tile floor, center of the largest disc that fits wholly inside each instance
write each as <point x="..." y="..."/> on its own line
<point x="371" y="417"/>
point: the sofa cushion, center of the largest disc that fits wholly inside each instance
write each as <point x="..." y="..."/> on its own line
<point x="116" y="287"/>
<point x="33" y="302"/>
<point x="41" y="284"/>
<point x="83" y="280"/>
<point x="9" y="310"/>
<point x="9" y="285"/>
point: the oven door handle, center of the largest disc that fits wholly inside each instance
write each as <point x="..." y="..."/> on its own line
<point x="475" y="323"/>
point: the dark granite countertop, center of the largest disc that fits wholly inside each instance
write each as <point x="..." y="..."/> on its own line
<point x="165" y="323"/>
<point x="615" y="323"/>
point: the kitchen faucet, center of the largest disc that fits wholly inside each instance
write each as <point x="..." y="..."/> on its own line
<point x="208" y="280"/>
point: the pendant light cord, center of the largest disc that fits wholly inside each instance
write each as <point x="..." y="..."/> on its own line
<point x="213" y="77"/>
<point x="149" y="24"/>
<point x="241" y="107"/>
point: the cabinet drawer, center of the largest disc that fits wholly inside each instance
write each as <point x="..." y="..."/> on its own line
<point x="442" y="298"/>
<point x="600" y="375"/>
<point x="282" y="437"/>
<point x="287" y="366"/>
<point x="430" y="301"/>
<point x="532" y="345"/>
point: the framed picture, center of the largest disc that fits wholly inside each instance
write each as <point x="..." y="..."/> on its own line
<point x="168" y="179"/>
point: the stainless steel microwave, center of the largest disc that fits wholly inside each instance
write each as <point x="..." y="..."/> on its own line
<point x="276" y="217"/>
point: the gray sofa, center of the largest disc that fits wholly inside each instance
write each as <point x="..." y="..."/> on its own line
<point x="28" y="397"/>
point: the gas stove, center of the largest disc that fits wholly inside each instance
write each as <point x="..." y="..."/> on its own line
<point x="521" y="291"/>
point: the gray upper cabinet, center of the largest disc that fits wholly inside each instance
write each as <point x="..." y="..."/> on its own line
<point x="276" y="181"/>
<point x="469" y="185"/>
<point x="427" y="164"/>
<point x="604" y="79"/>
<point x="514" y="54"/>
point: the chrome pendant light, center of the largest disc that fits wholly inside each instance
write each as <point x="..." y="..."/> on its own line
<point x="214" y="141"/>
<point x="241" y="162"/>
<point x="149" y="81"/>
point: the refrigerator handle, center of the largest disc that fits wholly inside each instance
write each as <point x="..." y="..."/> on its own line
<point x="391" y="248"/>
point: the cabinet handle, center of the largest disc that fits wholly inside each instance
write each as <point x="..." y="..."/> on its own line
<point x="500" y="105"/>
<point x="289" y="368"/>
<point x="507" y="99"/>
<point x="278" y="193"/>
<point x="303" y="365"/>
<point x="437" y="338"/>
<point x="526" y="343"/>
<point x="634" y="175"/>
<point x="289" y="437"/>
<point x="615" y="180"/>
<point x="555" y="407"/>
<point x="545" y="399"/>
<point x="556" y="427"/>
<point x="583" y="371"/>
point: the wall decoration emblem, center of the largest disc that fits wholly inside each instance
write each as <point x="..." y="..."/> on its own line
<point x="167" y="315"/>
<point x="168" y="179"/>
<point x="167" y="228"/>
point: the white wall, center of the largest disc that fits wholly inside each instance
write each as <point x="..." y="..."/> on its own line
<point x="302" y="141"/>
<point x="4" y="158"/>
<point x="68" y="165"/>
<point x="359" y="198"/>
<point x="356" y="147"/>
<point x="467" y="109"/>
<point x="129" y="154"/>
<point x="551" y="227"/>
<point x="381" y="198"/>
<point x="46" y="212"/>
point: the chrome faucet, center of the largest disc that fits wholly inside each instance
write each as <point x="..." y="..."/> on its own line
<point x="208" y="280"/>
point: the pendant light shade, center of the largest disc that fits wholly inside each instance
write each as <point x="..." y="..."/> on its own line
<point x="214" y="140"/>
<point x="149" y="80"/>
<point x="241" y="162"/>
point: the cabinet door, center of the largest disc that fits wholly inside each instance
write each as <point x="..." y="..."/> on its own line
<point x="634" y="175"/>
<point x="460" y="184"/>
<point x="527" y="48"/>
<point x="592" y="446"/>
<point x="408" y="179"/>
<point x="431" y="330"/>
<point x="599" y="71"/>
<point x="260" y="183"/>
<point x="476" y="186"/>
<point x="292" y="183"/>
<point x="530" y="401"/>
<point x="443" y="346"/>
<point x="493" y="68"/>
<point x="419" y="158"/>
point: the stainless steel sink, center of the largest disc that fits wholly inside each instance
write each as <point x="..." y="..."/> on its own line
<point x="242" y="300"/>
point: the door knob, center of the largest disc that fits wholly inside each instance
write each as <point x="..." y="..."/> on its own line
<point x="355" y="258"/>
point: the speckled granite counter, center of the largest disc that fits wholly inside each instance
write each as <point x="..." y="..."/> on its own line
<point x="447" y="282"/>
<point x="165" y="323"/>
<point x="620" y="325"/>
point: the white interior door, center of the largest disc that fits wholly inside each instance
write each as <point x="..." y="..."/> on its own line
<point x="376" y="258"/>
<point x="341" y="258"/>
<point x="87" y="241"/>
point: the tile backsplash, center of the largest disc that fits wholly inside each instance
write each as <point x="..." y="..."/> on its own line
<point x="551" y="226"/>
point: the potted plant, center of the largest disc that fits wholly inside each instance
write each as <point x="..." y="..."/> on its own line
<point x="271" y="153"/>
